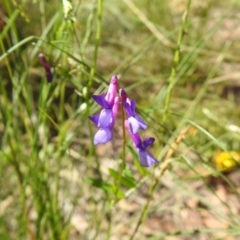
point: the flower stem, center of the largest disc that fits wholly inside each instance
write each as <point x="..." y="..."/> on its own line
<point x="122" y="167"/>
<point x="97" y="43"/>
<point x="124" y="138"/>
<point x="123" y="162"/>
<point x="91" y="76"/>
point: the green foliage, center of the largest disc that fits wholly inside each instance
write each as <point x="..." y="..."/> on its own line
<point x="127" y="179"/>
<point x="100" y="184"/>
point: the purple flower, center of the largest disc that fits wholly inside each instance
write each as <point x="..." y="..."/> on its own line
<point x="112" y="90"/>
<point x="135" y="121"/>
<point x="47" y="67"/>
<point x="103" y="135"/>
<point x="105" y="120"/>
<point x="123" y="95"/>
<point x="145" y="157"/>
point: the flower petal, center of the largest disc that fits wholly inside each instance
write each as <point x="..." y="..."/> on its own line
<point x="105" y="118"/>
<point x="100" y="100"/>
<point x="127" y="108"/>
<point x="49" y="76"/>
<point x="148" y="142"/>
<point x="47" y="67"/>
<point x="133" y="104"/>
<point x="114" y="79"/>
<point x="112" y="90"/>
<point x="133" y="124"/>
<point x="115" y="108"/>
<point x="94" y="118"/>
<point x="44" y="62"/>
<point x="103" y="135"/>
<point x="146" y="158"/>
<point x="142" y="124"/>
<point x="135" y="137"/>
<point x="123" y="95"/>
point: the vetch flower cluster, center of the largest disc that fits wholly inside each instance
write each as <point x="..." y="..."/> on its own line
<point x="106" y="118"/>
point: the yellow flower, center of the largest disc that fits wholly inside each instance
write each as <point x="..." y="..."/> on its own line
<point x="226" y="160"/>
<point x="192" y="131"/>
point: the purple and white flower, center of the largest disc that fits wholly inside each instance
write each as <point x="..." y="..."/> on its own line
<point x="135" y="121"/>
<point x="106" y="118"/>
<point x="145" y="157"/>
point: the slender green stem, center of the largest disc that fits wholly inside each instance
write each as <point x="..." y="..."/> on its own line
<point x="62" y="98"/>
<point x="109" y="216"/>
<point x="42" y="11"/>
<point x="97" y="43"/>
<point x="87" y="34"/>
<point x="91" y="77"/>
<point x="176" y="61"/>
